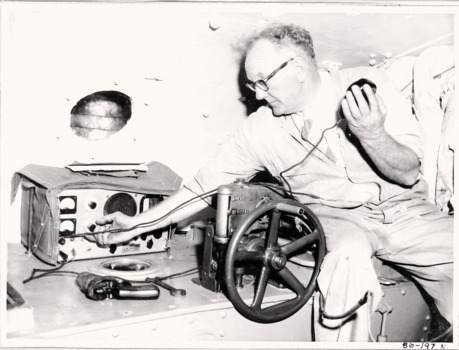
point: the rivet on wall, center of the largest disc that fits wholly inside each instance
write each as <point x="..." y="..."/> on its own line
<point x="372" y="59"/>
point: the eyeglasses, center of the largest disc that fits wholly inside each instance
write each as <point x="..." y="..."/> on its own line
<point x="262" y="83"/>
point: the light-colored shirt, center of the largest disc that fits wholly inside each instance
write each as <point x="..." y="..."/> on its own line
<point x="266" y="142"/>
<point x="321" y="115"/>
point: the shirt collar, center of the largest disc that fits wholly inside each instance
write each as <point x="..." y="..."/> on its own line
<point x="321" y="110"/>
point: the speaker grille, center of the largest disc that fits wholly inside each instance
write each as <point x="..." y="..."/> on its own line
<point x="122" y="202"/>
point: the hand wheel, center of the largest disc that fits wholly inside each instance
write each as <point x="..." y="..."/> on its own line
<point x="269" y="259"/>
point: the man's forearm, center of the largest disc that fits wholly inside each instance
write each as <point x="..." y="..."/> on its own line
<point x="170" y="211"/>
<point x="397" y="162"/>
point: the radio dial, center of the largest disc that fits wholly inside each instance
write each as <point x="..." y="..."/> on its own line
<point x="67" y="226"/>
<point x="67" y="203"/>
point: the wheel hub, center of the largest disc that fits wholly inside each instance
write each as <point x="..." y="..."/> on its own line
<point x="276" y="260"/>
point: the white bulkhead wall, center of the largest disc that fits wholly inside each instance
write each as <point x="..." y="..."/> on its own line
<point x="179" y="62"/>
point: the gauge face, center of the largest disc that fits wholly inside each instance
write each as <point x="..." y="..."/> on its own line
<point x="67" y="227"/>
<point x="68" y="204"/>
<point x="122" y="202"/>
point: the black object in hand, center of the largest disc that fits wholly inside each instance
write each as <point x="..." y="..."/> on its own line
<point x="360" y="83"/>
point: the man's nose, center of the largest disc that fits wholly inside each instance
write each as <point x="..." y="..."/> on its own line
<point x="260" y="94"/>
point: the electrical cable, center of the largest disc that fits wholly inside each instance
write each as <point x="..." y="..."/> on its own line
<point x="346" y="314"/>
<point x="314" y="147"/>
<point x="175" y="275"/>
<point x="55" y="271"/>
<point x="442" y="336"/>
<point x="273" y="187"/>
<point x="208" y="194"/>
<point x="149" y="223"/>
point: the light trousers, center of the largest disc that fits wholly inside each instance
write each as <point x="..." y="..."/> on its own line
<point x="413" y="234"/>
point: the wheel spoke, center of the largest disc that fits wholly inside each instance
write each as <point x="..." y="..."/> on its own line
<point x="301" y="242"/>
<point x="265" y="256"/>
<point x="274" y="224"/>
<point x="291" y="280"/>
<point x="278" y="309"/>
<point x="260" y="288"/>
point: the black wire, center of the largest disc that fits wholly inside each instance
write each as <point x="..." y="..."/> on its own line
<point x="348" y="313"/>
<point x="55" y="271"/>
<point x="278" y="189"/>
<point x="175" y="275"/>
<point x="182" y="274"/>
<point x="314" y="147"/>
<point x="443" y="336"/>
<point x="209" y="194"/>
<point x="152" y="222"/>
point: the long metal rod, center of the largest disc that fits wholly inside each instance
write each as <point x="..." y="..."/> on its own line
<point x="417" y="48"/>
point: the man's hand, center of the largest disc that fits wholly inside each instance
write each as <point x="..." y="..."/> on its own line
<point x="154" y="218"/>
<point x="365" y="117"/>
<point x="114" y="221"/>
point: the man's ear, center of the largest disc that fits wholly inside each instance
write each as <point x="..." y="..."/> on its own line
<point x="302" y="68"/>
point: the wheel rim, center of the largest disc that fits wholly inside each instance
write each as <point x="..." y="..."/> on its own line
<point x="271" y="261"/>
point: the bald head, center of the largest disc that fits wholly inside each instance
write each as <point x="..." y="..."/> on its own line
<point x="286" y="36"/>
<point x="295" y="84"/>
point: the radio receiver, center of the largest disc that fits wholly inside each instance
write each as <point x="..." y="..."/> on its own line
<point x="80" y="208"/>
<point x="59" y="208"/>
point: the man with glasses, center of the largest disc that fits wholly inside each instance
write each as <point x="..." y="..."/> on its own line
<point x="353" y="155"/>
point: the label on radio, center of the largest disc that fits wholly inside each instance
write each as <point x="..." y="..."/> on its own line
<point x="239" y="211"/>
<point x="130" y="249"/>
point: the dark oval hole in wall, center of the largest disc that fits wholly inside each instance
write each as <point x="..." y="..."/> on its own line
<point x="101" y="114"/>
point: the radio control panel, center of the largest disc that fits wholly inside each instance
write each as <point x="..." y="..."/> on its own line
<point x="80" y="208"/>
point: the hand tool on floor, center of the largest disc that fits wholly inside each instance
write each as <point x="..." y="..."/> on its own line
<point x="160" y="282"/>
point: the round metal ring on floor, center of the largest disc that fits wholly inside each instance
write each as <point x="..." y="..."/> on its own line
<point x="134" y="269"/>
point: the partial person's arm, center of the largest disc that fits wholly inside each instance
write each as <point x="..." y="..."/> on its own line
<point x="120" y="221"/>
<point x="397" y="162"/>
<point x="236" y="159"/>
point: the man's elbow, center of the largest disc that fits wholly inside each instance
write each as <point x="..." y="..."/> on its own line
<point x="410" y="177"/>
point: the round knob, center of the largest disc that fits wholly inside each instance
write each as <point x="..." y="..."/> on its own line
<point x="92" y="205"/>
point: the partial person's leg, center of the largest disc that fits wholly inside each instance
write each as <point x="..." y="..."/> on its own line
<point x="347" y="274"/>
<point x="423" y="245"/>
